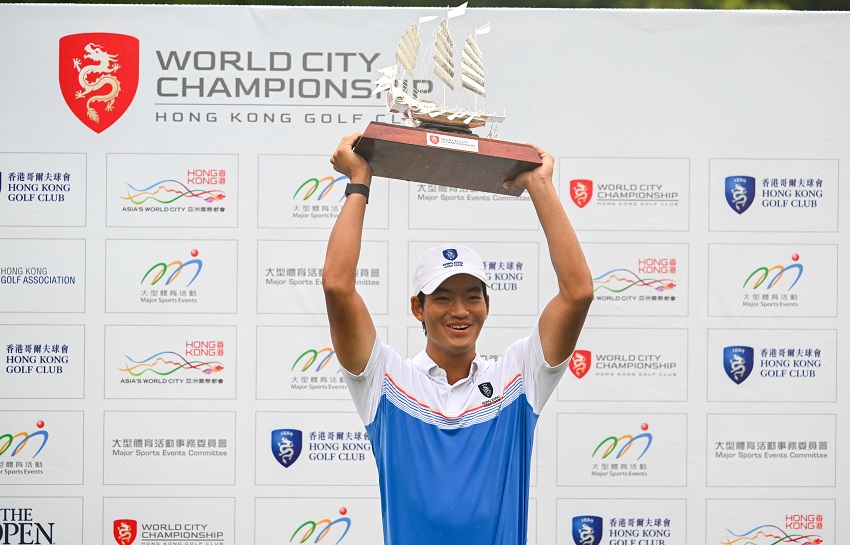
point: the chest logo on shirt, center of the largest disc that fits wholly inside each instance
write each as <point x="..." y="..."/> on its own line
<point x="286" y="446"/>
<point x="486" y="389"/>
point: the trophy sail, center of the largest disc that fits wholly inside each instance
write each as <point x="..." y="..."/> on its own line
<point x="472" y="67"/>
<point x="444" y="55"/>
<point x="408" y="49"/>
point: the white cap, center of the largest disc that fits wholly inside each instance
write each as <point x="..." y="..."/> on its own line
<point x="441" y="262"/>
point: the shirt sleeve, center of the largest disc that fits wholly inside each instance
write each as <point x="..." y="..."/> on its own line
<point x="365" y="388"/>
<point x="538" y="377"/>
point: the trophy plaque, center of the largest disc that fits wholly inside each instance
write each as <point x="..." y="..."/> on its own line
<point x="436" y="145"/>
<point x="441" y="158"/>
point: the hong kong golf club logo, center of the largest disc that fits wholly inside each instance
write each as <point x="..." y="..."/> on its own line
<point x="450" y="254"/>
<point x="740" y="191"/>
<point x="581" y="191"/>
<point x="98" y="76"/>
<point x="738" y="362"/>
<point x="286" y="446"/>
<point x="587" y="530"/>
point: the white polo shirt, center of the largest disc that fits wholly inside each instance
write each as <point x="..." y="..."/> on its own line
<point x="454" y="460"/>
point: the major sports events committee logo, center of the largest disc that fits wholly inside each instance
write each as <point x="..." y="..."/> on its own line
<point x="317" y="189"/>
<point x="738" y="362"/>
<point x="125" y="531"/>
<point x="286" y="446"/>
<point x="322" y="529"/>
<point x="587" y="530"/>
<point x="98" y="76"/>
<point x="170" y="272"/>
<point x="313" y="370"/>
<point x="774" y="275"/>
<point x="581" y="192"/>
<point x="24" y="443"/>
<point x="319" y="198"/>
<point x="771" y="286"/>
<point x="625" y="443"/>
<point x="740" y="192"/>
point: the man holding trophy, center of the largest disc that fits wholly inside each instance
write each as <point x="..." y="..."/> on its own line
<point x="452" y="434"/>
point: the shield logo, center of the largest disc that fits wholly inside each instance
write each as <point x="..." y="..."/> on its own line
<point x="286" y="446"/>
<point x="434" y="138"/>
<point x="587" y="530"/>
<point x="738" y="362"/>
<point x="124" y="531"/>
<point x="581" y="191"/>
<point x="98" y="76"/>
<point x="486" y="389"/>
<point x="740" y="192"/>
<point x="450" y="254"/>
<point x="580" y="363"/>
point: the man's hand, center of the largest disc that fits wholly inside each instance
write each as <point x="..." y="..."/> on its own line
<point x="345" y="161"/>
<point x="533" y="179"/>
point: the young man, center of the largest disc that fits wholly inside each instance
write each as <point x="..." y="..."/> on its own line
<point x="452" y="434"/>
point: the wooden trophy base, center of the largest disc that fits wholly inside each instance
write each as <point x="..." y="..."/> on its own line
<point x="443" y="158"/>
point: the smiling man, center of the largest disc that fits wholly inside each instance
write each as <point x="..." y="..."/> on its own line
<point x="452" y="434"/>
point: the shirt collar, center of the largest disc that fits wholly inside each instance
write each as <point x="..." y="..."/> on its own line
<point x="425" y="364"/>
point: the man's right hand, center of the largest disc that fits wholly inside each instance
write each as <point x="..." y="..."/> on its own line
<point x="346" y="161"/>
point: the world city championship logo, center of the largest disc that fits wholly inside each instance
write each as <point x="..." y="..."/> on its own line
<point x="581" y="192"/>
<point x="580" y="363"/>
<point x="98" y="76"/>
<point x="124" y="531"/>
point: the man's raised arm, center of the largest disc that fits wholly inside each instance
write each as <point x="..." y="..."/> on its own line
<point x="352" y="330"/>
<point x="562" y="319"/>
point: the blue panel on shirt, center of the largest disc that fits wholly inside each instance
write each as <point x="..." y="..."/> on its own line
<point x="454" y="486"/>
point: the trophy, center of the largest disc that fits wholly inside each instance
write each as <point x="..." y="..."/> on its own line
<point x="436" y="145"/>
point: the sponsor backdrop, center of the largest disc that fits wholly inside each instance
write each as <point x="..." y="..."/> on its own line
<point x="165" y="201"/>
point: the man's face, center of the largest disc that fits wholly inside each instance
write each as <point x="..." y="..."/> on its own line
<point x="454" y="315"/>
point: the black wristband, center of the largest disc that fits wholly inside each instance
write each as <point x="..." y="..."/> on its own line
<point x="362" y="189"/>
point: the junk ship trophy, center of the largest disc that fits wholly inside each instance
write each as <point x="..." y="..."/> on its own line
<point x="436" y="145"/>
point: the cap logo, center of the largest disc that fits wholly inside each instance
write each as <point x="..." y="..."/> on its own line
<point x="450" y="254"/>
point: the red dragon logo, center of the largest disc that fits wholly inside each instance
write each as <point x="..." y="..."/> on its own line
<point x="124" y="531"/>
<point x="98" y="76"/>
<point x="581" y="191"/>
<point x="580" y="363"/>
